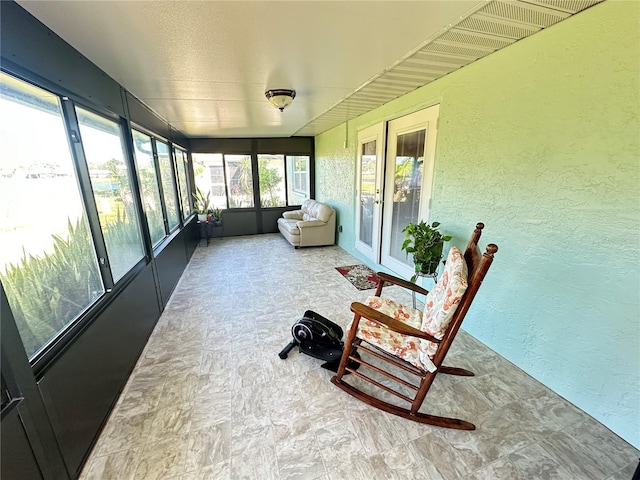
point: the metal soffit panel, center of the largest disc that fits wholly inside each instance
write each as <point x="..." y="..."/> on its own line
<point x="497" y="24"/>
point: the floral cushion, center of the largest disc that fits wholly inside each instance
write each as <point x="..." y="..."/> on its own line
<point x="442" y="301"/>
<point x="402" y="346"/>
<point x="440" y="305"/>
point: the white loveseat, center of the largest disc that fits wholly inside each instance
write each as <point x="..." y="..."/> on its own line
<point x="313" y="225"/>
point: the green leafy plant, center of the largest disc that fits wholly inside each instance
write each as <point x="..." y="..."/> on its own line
<point x="47" y="292"/>
<point x="425" y="242"/>
<point x="202" y="201"/>
<point x="270" y="181"/>
<point x="216" y="215"/>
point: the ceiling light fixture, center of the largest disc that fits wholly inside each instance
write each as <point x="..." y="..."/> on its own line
<point x="280" y="98"/>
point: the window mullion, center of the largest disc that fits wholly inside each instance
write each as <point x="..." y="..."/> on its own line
<point x="84" y="181"/>
<point x="286" y="180"/>
<point x="224" y="173"/>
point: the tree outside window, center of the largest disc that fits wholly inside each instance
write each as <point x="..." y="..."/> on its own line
<point x="239" y="180"/>
<point x="271" y="175"/>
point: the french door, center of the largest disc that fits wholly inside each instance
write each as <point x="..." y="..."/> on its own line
<point x="369" y="191"/>
<point x="408" y="181"/>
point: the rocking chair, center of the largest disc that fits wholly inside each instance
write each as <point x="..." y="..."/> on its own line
<point x="413" y="341"/>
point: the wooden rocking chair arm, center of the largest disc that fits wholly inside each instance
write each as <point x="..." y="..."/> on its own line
<point x="389" y="322"/>
<point x="386" y="278"/>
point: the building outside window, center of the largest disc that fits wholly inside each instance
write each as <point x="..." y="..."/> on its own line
<point x="298" y="177"/>
<point x="208" y="169"/>
<point x="48" y="262"/>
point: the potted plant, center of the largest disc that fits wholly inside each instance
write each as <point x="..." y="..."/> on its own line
<point x="202" y="204"/>
<point x="425" y="242"/>
<point x="216" y="216"/>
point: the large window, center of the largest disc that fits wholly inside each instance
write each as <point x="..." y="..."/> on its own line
<point x="228" y="179"/>
<point x="239" y="178"/>
<point x="111" y="184"/>
<point x="271" y="176"/>
<point x="148" y="180"/>
<point x="168" y="184"/>
<point x="48" y="264"/>
<point x="181" y="170"/>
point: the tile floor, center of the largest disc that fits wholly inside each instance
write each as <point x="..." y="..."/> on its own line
<point x="211" y="399"/>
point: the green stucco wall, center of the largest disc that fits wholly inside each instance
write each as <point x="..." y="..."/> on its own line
<point x="540" y="141"/>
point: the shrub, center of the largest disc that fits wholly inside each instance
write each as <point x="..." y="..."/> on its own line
<point x="46" y="293"/>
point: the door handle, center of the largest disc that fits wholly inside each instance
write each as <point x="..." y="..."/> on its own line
<point x="13" y="403"/>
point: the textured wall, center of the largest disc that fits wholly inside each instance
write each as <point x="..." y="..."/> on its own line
<point x="335" y="181"/>
<point x="541" y="142"/>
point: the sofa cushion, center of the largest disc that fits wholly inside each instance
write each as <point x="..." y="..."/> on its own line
<point x="290" y="225"/>
<point x="294" y="214"/>
<point x="312" y="209"/>
<point x="312" y="222"/>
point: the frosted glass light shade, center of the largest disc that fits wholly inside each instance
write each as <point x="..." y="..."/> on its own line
<point x="280" y="98"/>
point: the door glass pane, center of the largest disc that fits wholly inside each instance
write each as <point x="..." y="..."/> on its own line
<point x="209" y="175"/>
<point x="146" y="170"/>
<point x="406" y="188"/>
<point x="239" y="180"/>
<point x="48" y="264"/>
<point x="110" y="181"/>
<point x="181" y="168"/>
<point x="168" y="184"/>
<point x="271" y="175"/>
<point x="367" y="191"/>
<point x="298" y="178"/>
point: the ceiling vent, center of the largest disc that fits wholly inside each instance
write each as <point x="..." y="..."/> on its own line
<point x="495" y="25"/>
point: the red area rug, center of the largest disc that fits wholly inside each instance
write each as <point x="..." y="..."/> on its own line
<point x="360" y="276"/>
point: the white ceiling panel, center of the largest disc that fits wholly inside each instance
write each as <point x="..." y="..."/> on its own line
<point x="204" y="65"/>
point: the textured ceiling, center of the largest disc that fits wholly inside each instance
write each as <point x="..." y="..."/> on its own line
<point x="204" y="66"/>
